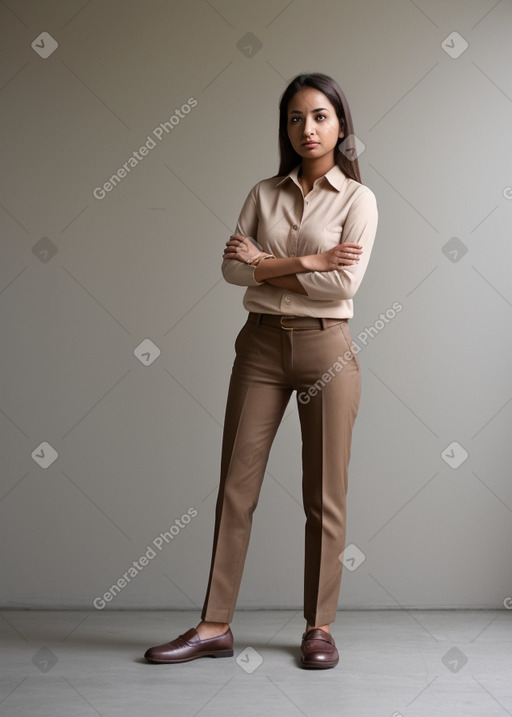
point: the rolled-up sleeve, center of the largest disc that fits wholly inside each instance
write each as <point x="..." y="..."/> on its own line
<point x="360" y="227"/>
<point x="236" y="272"/>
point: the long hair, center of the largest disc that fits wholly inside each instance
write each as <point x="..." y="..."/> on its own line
<point x="288" y="156"/>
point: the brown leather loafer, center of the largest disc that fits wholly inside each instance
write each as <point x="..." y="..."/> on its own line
<point x="189" y="646"/>
<point x="318" y="650"/>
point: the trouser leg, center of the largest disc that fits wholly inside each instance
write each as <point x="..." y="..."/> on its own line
<point x="257" y="397"/>
<point x="327" y="414"/>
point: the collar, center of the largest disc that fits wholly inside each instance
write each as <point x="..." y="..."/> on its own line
<point x="334" y="176"/>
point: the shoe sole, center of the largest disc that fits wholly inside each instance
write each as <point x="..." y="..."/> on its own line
<point x="318" y="665"/>
<point x="217" y="653"/>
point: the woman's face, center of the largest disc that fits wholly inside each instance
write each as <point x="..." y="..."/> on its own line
<point x="312" y="119"/>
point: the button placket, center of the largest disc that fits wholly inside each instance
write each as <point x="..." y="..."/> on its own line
<point x="293" y="241"/>
<point x="296" y="227"/>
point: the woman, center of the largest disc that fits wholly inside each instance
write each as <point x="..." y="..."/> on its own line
<point x="314" y="224"/>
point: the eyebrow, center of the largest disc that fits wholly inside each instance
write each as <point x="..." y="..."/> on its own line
<point x="298" y="112"/>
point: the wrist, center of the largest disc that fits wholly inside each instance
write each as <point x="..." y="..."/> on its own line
<point x="254" y="259"/>
<point x="260" y="257"/>
<point x="306" y="262"/>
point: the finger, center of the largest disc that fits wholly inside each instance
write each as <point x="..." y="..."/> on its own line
<point x="350" y="247"/>
<point x="348" y="262"/>
<point x="348" y="252"/>
<point x="343" y="253"/>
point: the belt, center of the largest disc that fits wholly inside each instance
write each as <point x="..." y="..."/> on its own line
<point x="292" y="322"/>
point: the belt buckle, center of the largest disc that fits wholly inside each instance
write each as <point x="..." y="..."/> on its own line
<point x="288" y="328"/>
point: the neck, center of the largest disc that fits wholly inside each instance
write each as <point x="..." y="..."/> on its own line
<point x="312" y="169"/>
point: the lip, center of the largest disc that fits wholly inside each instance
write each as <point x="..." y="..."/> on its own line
<point x="310" y="144"/>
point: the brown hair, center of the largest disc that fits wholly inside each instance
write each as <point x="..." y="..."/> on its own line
<point x="288" y="156"/>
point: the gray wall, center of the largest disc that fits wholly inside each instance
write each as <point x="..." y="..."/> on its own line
<point x="84" y="281"/>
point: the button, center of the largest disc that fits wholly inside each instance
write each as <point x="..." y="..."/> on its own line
<point x="287" y="299"/>
<point x="306" y="202"/>
<point x="292" y="253"/>
<point x="294" y="227"/>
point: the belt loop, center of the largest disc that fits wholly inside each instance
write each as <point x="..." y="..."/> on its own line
<point x="324" y="323"/>
<point x="258" y="319"/>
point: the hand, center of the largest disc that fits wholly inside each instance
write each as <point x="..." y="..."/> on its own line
<point x="345" y="254"/>
<point x="241" y="248"/>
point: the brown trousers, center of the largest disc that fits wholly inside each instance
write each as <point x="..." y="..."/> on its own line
<point x="315" y="359"/>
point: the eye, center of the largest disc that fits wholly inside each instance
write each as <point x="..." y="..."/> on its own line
<point x="296" y="119"/>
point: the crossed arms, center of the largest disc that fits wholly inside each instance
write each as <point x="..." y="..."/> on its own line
<point x="283" y="272"/>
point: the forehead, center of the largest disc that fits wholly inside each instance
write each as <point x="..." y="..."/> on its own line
<point x="308" y="99"/>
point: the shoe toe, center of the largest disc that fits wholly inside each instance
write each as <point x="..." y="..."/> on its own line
<point x="318" y="650"/>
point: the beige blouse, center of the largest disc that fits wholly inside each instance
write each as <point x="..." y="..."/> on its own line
<point x="286" y="223"/>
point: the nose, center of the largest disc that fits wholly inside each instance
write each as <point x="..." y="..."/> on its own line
<point x="308" y="127"/>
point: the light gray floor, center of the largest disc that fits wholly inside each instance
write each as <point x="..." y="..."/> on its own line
<point x="392" y="663"/>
